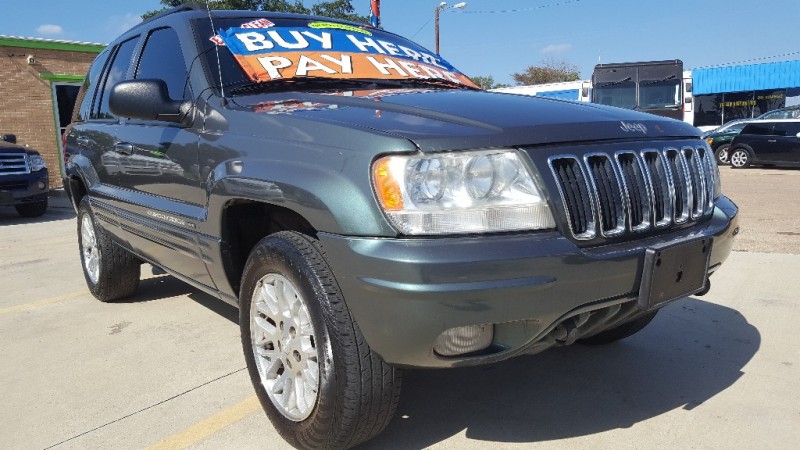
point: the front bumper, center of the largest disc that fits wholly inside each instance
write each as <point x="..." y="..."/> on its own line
<point x="24" y="188"/>
<point x="403" y="293"/>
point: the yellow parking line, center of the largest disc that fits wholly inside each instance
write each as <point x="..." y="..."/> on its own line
<point x="206" y="428"/>
<point x="47" y="301"/>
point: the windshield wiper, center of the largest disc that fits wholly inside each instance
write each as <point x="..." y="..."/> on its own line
<point x="614" y="83"/>
<point x="671" y="77"/>
<point x="291" y="84"/>
<point x="307" y="83"/>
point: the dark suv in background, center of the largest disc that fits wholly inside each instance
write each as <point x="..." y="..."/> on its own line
<point x="24" y="178"/>
<point x="767" y="142"/>
<point x="368" y="208"/>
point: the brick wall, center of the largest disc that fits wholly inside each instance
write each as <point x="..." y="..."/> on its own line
<point x="26" y="99"/>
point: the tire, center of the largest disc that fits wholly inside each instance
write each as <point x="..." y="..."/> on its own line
<point x="722" y="155"/>
<point x="621" y="332"/>
<point x="35" y="209"/>
<point x="304" y="332"/>
<point x="741" y="158"/>
<point x="111" y="272"/>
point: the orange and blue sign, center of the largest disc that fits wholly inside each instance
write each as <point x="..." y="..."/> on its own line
<point x="334" y="50"/>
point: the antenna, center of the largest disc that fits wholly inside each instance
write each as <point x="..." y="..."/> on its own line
<point x="219" y="64"/>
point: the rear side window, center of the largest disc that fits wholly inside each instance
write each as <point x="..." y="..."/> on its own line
<point x="787" y="129"/>
<point x="115" y="74"/>
<point x="162" y="59"/>
<point x="758" y="129"/>
<point x="86" y="95"/>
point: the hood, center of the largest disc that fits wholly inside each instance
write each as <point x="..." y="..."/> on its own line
<point x="7" y="147"/>
<point x="461" y="119"/>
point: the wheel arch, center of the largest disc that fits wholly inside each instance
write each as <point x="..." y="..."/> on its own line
<point x="243" y="223"/>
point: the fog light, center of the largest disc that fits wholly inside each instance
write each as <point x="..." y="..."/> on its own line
<point x="461" y="340"/>
<point x="40" y="185"/>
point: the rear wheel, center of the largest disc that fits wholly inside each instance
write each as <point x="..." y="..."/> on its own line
<point x="741" y="158"/>
<point x="621" y="332"/>
<point x="314" y="374"/>
<point x="34" y="209"/>
<point x="111" y="272"/>
<point x="722" y="154"/>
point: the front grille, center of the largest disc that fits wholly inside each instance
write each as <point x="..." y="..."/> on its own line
<point x="13" y="164"/>
<point x="614" y="194"/>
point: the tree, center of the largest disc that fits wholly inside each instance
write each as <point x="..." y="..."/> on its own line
<point x="486" y="82"/>
<point x="548" y="71"/>
<point x="340" y="9"/>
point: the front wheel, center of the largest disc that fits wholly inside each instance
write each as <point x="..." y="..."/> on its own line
<point x="111" y="272"/>
<point x="741" y="158"/>
<point x="722" y="154"/>
<point x="312" y="370"/>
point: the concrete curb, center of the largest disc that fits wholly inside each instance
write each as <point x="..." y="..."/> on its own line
<point x="57" y="198"/>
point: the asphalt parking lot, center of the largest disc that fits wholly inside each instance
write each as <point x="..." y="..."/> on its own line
<point x="165" y="369"/>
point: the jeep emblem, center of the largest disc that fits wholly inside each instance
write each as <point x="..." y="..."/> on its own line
<point x="629" y="127"/>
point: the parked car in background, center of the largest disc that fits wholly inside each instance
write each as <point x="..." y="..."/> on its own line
<point x="720" y="139"/>
<point x="24" y="179"/>
<point x="790" y="112"/>
<point x="767" y="142"/>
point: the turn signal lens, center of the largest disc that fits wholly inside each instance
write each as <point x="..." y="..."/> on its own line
<point x="387" y="187"/>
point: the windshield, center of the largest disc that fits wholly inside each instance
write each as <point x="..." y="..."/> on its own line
<point x="271" y="51"/>
<point x="659" y="93"/>
<point x="646" y="86"/>
<point x="621" y="93"/>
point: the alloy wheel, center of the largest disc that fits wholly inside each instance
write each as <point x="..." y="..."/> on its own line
<point x="284" y="346"/>
<point x="90" y="253"/>
<point x="739" y="158"/>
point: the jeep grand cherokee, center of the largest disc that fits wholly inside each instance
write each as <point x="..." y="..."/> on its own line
<point x="368" y="208"/>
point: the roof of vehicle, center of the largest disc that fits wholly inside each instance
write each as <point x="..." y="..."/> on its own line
<point x="194" y="9"/>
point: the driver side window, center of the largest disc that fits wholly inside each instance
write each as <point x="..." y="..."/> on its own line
<point x="162" y="59"/>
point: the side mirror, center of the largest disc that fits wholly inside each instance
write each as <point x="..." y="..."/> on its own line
<point x="147" y="100"/>
<point x="10" y="138"/>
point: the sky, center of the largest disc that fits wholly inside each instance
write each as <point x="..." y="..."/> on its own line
<point x="500" y="37"/>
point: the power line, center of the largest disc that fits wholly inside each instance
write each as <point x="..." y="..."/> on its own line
<point x="532" y="8"/>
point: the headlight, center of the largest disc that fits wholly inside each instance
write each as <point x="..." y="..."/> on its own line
<point x="466" y="192"/>
<point x="37" y="163"/>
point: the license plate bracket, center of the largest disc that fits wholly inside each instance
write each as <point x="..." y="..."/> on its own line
<point x="674" y="271"/>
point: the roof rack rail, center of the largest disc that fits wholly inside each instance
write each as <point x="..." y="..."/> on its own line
<point x="191" y="6"/>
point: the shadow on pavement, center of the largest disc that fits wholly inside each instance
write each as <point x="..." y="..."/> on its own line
<point x="9" y="216"/>
<point x="692" y="351"/>
<point x="166" y="286"/>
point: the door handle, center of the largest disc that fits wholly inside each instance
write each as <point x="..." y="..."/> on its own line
<point x="123" y="148"/>
<point x="82" y="141"/>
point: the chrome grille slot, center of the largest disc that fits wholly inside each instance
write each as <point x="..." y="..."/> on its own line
<point x="611" y="194"/>
<point x="636" y="192"/>
<point x="660" y="187"/>
<point x="608" y="194"/>
<point x="698" y="185"/>
<point x="681" y="183"/>
<point x="575" y="196"/>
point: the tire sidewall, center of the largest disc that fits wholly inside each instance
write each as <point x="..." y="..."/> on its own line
<point x="276" y="255"/>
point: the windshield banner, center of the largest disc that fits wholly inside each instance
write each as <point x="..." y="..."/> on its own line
<point x="333" y="50"/>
